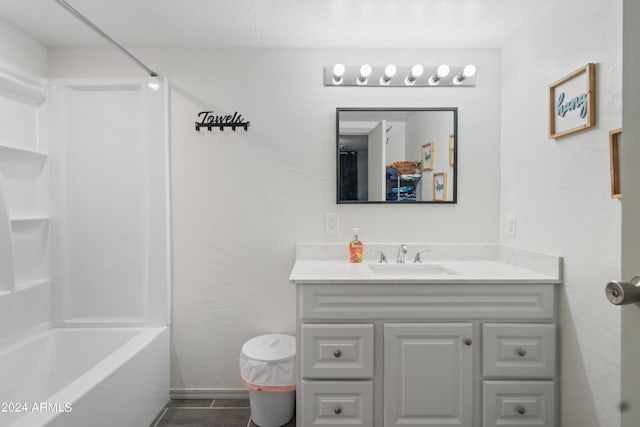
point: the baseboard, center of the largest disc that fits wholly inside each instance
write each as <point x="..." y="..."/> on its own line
<point x="208" y="393"/>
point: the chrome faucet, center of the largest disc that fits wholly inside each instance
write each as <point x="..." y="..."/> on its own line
<point x="402" y="251"/>
<point x="417" y="257"/>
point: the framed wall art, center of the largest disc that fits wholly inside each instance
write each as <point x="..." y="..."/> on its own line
<point x="427" y="156"/>
<point x="440" y="186"/>
<point x="572" y="102"/>
<point x="615" y="136"/>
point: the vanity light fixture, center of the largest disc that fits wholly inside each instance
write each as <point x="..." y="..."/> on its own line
<point x="441" y="73"/>
<point x="365" y="72"/>
<point x="416" y="71"/>
<point x="468" y="72"/>
<point x="392" y="75"/>
<point x="338" y="73"/>
<point x="389" y="71"/>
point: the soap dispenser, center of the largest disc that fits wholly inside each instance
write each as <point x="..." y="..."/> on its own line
<point x="355" y="248"/>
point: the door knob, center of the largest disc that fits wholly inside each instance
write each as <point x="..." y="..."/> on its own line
<point x="620" y="293"/>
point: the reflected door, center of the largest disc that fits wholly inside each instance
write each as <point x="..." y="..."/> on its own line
<point x="377" y="163"/>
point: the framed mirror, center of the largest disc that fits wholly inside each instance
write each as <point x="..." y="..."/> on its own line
<point x="397" y="155"/>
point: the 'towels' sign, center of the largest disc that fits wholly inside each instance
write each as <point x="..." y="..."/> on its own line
<point x="209" y="120"/>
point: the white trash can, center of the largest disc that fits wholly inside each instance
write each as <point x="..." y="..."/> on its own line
<point x="267" y="369"/>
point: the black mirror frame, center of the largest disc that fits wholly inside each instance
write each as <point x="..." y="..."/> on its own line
<point x="454" y="110"/>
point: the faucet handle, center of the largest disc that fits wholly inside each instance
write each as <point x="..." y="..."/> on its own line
<point x="382" y="259"/>
<point x="417" y="257"/>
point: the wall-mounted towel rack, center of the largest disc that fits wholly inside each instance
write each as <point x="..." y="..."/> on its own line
<point x="208" y="120"/>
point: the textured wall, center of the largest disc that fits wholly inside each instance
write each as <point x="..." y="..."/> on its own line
<point x="242" y="200"/>
<point x="560" y="191"/>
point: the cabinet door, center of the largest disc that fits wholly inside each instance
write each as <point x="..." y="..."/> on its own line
<point x="428" y="378"/>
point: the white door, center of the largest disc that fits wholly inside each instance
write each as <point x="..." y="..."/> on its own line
<point x="428" y="374"/>
<point x="630" y="188"/>
<point x="377" y="158"/>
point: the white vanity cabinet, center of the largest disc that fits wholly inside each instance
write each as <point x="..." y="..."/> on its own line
<point x="431" y="354"/>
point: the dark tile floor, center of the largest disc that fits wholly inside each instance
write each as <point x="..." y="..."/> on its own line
<point x="207" y="413"/>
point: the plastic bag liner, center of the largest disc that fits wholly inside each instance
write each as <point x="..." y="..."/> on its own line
<point x="267" y="363"/>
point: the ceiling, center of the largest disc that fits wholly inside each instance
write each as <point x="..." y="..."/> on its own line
<point x="275" y="23"/>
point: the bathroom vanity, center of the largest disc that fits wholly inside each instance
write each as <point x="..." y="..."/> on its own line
<point x="465" y="338"/>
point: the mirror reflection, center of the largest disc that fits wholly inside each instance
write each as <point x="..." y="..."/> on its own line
<point x="397" y="155"/>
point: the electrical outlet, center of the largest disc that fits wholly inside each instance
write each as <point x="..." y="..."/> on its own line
<point x="511" y="225"/>
<point x="331" y="224"/>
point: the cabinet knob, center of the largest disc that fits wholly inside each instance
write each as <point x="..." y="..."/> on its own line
<point x="467" y="341"/>
<point x="337" y="353"/>
<point x="337" y="410"/>
<point x="521" y="410"/>
<point x="521" y="352"/>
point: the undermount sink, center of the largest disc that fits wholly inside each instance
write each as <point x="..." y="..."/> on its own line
<point x="411" y="269"/>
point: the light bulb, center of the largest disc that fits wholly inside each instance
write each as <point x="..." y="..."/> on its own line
<point x="365" y="72"/>
<point x="389" y="72"/>
<point x="443" y="71"/>
<point x="416" y="71"/>
<point x="338" y="73"/>
<point x="469" y="71"/>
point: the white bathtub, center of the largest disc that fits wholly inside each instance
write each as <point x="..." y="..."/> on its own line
<point x="70" y="377"/>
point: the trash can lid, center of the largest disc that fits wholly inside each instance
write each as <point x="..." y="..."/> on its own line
<point x="270" y="347"/>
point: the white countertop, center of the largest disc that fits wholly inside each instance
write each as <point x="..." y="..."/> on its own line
<point x="512" y="266"/>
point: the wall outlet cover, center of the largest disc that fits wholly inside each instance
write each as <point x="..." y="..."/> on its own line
<point x="511" y="225"/>
<point x="331" y="224"/>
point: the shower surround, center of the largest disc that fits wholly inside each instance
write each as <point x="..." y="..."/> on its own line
<point x="84" y="250"/>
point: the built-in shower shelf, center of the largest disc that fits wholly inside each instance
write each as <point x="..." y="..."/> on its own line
<point x="21" y="155"/>
<point x="26" y="220"/>
<point x="32" y="283"/>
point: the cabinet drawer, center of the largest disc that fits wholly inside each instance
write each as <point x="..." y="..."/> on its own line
<point x="518" y="403"/>
<point x="337" y="403"/>
<point x="519" y="350"/>
<point x="337" y="351"/>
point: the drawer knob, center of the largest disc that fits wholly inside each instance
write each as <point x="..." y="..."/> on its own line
<point x="467" y="341"/>
<point x="521" y="410"/>
<point x="337" y="410"/>
<point x="521" y="352"/>
<point x="337" y="353"/>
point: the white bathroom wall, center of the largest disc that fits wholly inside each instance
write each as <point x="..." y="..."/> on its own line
<point x="241" y="200"/>
<point x="559" y="191"/>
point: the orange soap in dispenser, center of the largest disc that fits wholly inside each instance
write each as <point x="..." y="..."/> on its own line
<point x="355" y="248"/>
